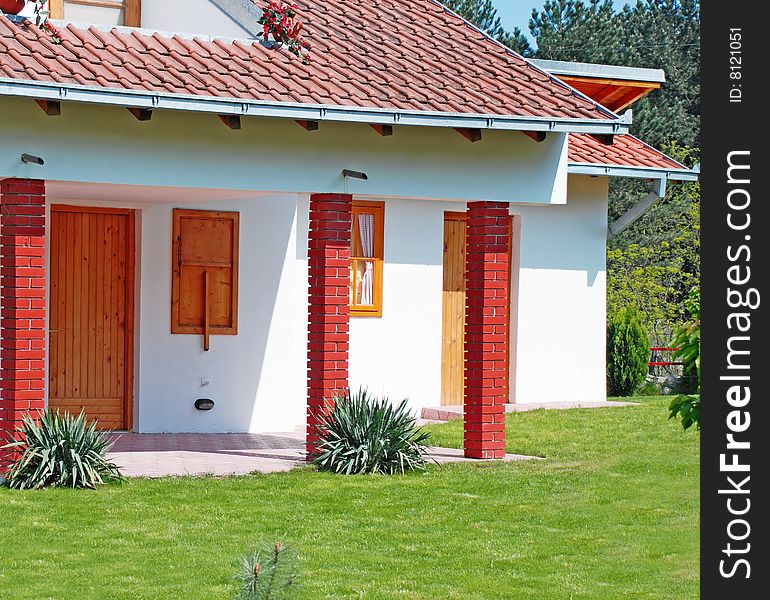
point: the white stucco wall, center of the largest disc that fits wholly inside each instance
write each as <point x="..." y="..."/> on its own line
<point x="560" y="339"/>
<point x="562" y="297"/>
<point x="98" y="15"/>
<point x="108" y="145"/>
<point x="399" y="354"/>
<point x="256" y="377"/>
<point x="189" y="16"/>
<point x="184" y="16"/>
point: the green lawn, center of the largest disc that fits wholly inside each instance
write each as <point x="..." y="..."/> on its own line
<point x="612" y="513"/>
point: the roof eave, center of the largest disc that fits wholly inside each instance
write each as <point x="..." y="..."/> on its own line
<point x="632" y="172"/>
<point x="600" y="71"/>
<point x="42" y="90"/>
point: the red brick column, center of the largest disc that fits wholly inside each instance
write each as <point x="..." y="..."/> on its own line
<point x="486" y="328"/>
<point x="22" y="304"/>
<point x="329" y="311"/>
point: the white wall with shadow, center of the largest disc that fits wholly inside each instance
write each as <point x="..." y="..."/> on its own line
<point x="250" y="375"/>
<point x="560" y="345"/>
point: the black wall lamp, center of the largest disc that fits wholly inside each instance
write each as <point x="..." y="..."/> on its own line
<point x="354" y="174"/>
<point x="204" y="404"/>
<point x="32" y="160"/>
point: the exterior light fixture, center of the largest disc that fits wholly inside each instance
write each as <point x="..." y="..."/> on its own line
<point x="31" y="159"/>
<point x="354" y="174"/>
<point x="204" y="404"/>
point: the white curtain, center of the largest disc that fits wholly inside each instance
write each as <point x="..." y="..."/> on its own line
<point x="366" y="235"/>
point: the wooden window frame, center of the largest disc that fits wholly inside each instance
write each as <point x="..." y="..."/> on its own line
<point x="132" y="9"/>
<point x="177" y="216"/>
<point x="378" y="209"/>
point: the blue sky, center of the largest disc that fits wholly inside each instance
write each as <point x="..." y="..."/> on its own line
<point x="515" y="13"/>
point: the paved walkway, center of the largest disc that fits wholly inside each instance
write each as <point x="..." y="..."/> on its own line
<point x="180" y="454"/>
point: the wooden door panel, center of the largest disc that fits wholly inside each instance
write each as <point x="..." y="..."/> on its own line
<point x="91" y="316"/>
<point x="453" y="312"/>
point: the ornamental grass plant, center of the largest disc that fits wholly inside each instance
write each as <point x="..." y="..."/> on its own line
<point x="60" y="450"/>
<point x="365" y="434"/>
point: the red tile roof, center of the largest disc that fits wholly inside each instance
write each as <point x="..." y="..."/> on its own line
<point x="399" y="54"/>
<point x="625" y="151"/>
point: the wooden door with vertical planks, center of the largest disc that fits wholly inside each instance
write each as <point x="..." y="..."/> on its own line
<point x="91" y="313"/>
<point x="453" y="310"/>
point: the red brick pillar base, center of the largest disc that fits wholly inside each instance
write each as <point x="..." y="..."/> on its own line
<point x="486" y="328"/>
<point x="329" y="311"/>
<point x="22" y="304"/>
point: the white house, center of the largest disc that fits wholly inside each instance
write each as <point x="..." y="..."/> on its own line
<point x="190" y="216"/>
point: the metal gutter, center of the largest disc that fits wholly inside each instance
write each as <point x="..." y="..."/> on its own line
<point x="683" y="174"/>
<point x="44" y="90"/>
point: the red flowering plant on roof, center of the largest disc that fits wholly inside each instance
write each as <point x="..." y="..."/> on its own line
<point x="279" y="20"/>
<point x="41" y="20"/>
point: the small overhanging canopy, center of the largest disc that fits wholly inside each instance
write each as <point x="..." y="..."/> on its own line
<point x="612" y="86"/>
<point x="627" y="156"/>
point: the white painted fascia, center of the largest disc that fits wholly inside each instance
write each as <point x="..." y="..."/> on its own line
<point x="600" y="71"/>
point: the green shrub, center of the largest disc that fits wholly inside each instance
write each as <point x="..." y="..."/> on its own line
<point x="628" y="353"/>
<point x="687" y="342"/>
<point x="364" y="434"/>
<point x="60" y="451"/>
<point x="268" y="573"/>
<point x="649" y="388"/>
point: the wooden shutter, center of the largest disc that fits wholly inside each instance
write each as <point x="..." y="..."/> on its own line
<point x="205" y="245"/>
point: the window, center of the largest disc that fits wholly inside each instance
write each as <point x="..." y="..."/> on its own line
<point x="103" y="12"/>
<point x="366" y="241"/>
<point x="205" y="273"/>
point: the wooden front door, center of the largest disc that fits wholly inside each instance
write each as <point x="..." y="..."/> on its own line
<point x="92" y="313"/>
<point x="453" y="310"/>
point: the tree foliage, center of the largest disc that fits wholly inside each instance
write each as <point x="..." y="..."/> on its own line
<point x="657" y="34"/>
<point x="572" y="30"/>
<point x="687" y="343"/>
<point x="653" y="265"/>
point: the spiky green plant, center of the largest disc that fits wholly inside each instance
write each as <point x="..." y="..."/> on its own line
<point x="365" y="434"/>
<point x="60" y="450"/>
<point x="268" y="573"/>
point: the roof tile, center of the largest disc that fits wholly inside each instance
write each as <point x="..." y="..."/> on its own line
<point x="625" y="151"/>
<point x="407" y="54"/>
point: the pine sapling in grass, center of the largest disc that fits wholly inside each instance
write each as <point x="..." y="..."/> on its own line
<point x="268" y="573"/>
